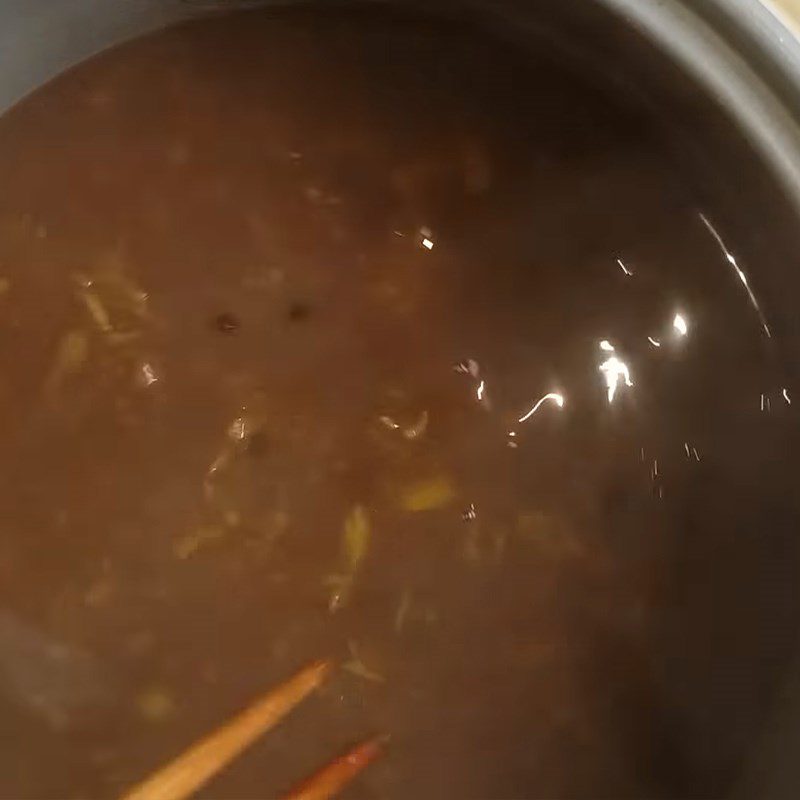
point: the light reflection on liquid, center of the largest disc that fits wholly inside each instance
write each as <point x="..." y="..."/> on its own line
<point x="740" y="274"/>
<point x="680" y="325"/>
<point x="149" y="376"/>
<point x="624" y="268"/>
<point x="614" y="370"/>
<point x="555" y="397"/>
<point x="691" y="452"/>
<point x="426" y="239"/>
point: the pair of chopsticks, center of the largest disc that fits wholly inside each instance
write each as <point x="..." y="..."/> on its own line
<point x="203" y="760"/>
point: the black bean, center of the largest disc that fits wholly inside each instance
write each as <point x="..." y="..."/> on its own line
<point x="298" y="312"/>
<point x="227" y="322"/>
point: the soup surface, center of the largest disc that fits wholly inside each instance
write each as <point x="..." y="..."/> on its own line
<point x="374" y="339"/>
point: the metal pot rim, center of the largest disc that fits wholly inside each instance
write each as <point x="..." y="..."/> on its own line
<point x="744" y="55"/>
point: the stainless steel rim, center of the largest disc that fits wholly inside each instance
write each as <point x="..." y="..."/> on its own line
<point x="745" y="58"/>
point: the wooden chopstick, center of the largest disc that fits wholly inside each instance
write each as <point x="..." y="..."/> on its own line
<point x="189" y="771"/>
<point x="333" y="777"/>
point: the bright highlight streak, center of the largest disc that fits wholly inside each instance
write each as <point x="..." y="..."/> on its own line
<point x="679" y="323"/>
<point x="148" y="375"/>
<point x="786" y="397"/>
<point x="653" y="341"/>
<point x="427" y="243"/>
<point x="742" y="277"/>
<point x="623" y="267"/>
<point x="607" y="346"/>
<point x="554" y="396"/>
<point x="238" y="429"/>
<point x="481" y="389"/>
<point x="613" y="369"/>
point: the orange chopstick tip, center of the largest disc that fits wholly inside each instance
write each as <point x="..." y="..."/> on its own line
<point x="327" y="782"/>
<point x="203" y="760"/>
<point x="321" y="669"/>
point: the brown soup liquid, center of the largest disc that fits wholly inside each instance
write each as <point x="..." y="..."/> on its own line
<point x="373" y="339"/>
